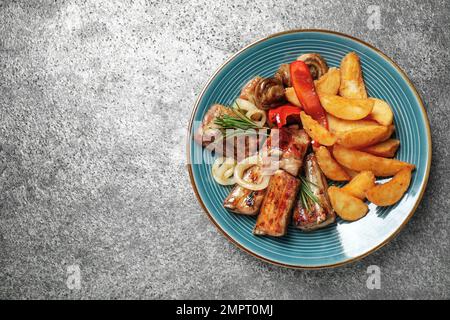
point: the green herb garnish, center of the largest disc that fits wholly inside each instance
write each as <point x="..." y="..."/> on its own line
<point x="307" y="196"/>
<point x="238" y="122"/>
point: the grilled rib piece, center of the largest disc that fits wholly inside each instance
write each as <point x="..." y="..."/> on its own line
<point x="317" y="215"/>
<point x="277" y="206"/>
<point x="245" y="201"/>
<point x="290" y="144"/>
<point x="239" y="147"/>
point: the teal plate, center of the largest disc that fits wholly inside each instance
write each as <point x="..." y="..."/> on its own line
<point x="341" y="242"/>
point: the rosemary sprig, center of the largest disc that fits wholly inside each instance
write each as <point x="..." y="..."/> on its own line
<point x="237" y="121"/>
<point x="230" y="122"/>
<point x="307" y="195"/>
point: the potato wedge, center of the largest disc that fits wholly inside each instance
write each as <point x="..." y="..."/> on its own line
<point x="361" y="137"/>
<point x="350" y="172"/>
<point x="330" y="168"/>
<point x="391" y="192"/>
<point x="317" y="131"/>
<point x="329" y="83"/>
<point x="389" y="133"/>
<point x="381" y="112"/>
<point x="361" y="161"/>
<point x="291" y="96"/>
<point x="352" y="83"/>
<point x="358" y="186"/>
<point x="337" y="125"/>
<point x="385" y="149"/>
<point x="347" y="206"/>
<point x="348" y="109"/>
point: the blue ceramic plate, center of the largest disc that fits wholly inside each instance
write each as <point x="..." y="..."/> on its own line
<point x="341" y="242"/>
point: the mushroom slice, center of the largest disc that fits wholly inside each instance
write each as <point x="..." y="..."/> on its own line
<point x="317" y="65"/>
<point x="284" y="74"/>
<point x="269" y="93"/>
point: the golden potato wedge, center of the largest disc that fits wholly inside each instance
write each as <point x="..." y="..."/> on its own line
<point x="389" y="133"/>
<point x="361" y="137"/>
<point x="381" y="112"/>
<point x="330" y="168"/>
<point x="291" y="96"/>
<point x="385" y="149"/>
<point x="361" y="161"/>
<point x="350" y="172"/>
<point x="347" y="206"/>
<point x="352" y="83"/>
<point x="317" y="131"/>
<point x="348" y="109"/>
<point x="391" y="192"/>
<point x="358" y="186"/>
<point x="329" y="83"/>
<point x="339" y="125"/>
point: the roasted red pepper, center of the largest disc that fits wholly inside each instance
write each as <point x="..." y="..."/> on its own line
<point x="286" y="114"/>
<point x="303" y="84"/>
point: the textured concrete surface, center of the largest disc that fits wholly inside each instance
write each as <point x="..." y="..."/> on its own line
<point x="95" y="97"/>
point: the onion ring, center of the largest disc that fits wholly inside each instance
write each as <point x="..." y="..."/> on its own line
<point x="240" y="169"/>
<point x="223" y="170"/>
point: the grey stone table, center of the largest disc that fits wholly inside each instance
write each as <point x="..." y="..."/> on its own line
<point x="95" y="199"/>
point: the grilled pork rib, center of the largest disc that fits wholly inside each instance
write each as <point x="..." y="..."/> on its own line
<point x="277" y="206"/>
<point x="291" y="145"/>
<point x="245" y="201"/>
<point x="318" y="215"/>
<point x="239" y="147"/>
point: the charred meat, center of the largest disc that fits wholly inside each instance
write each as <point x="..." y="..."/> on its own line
<point x="209" y="135"/>
<point x="314" y="214"/>
<point x="276" y="208"/>
<point x="248" y="91"/>
<point x="245" y="201"/>
<point x="285" y="148"/>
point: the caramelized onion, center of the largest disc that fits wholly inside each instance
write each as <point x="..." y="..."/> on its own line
<point x="239" y="172"/>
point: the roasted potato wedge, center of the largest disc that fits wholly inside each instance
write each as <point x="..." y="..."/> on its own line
<point x="352" y="83"/>
<point x="385" y="149"/>
<point x="291" y="96"/>
<point x="350" y="172"/>
<point x="361" y="161"/>
<point x="361" y="137"/>
<point x="345" y="108"/>
<point x="329" y="83"/>
<point x="317" y="131"/>
<point x="391" y="192"/>
<point x="330" y="168"/>
<point x="381" y="112"/>
<point x="358" y="186"/>
<point x="339" y="125"/>
<point x="347" y="206"/>
<point x="389" y="133"/>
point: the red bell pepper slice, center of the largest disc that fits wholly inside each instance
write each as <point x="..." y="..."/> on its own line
<point x="285" y="114"/>
<point x="303" y="84"/>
